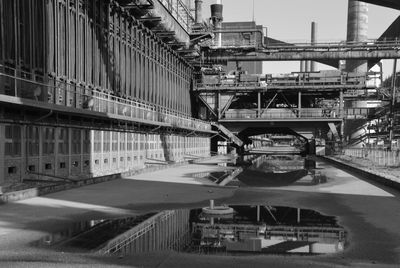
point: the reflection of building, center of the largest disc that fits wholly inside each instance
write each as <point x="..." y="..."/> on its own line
<point x="167" y="230"/>
<point x="267" y="229"/>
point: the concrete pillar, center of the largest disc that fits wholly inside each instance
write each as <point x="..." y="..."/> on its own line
<point x="357" y="30"/>
<point x="259" y="104"/>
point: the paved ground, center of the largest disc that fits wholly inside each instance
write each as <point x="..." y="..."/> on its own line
<point x="370" y="213"/>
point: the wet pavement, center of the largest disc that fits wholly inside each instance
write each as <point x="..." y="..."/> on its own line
<point x="369" y="213"/>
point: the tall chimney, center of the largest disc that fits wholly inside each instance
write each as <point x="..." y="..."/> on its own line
<point x="313" y="42"/>
<point x="357" y="31"/>
<point x="198" y="11"/>
<point x="216" y="16"/>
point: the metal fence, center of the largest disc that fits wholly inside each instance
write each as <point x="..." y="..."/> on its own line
<point x="380" y="157"/>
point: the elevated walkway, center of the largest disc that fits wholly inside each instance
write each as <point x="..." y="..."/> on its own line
<point x="66" y="98"/>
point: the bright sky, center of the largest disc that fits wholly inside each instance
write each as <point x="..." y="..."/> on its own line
<point x="290" y="20"/>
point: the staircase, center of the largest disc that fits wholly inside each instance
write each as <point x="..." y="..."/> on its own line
<point x="229" y="134"/>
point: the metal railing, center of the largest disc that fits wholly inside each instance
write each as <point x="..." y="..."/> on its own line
<point x="75" y="96"/>
<point x="312" y="113"/>
<point x="378" y="156"/>
<point x="353" y="81"/>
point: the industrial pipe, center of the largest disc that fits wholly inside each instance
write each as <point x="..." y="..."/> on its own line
<point x="296" y="56"/>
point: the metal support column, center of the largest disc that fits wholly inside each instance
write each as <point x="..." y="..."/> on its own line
<point x="341" y="113"/>
<point x="393" y="101"/>
<point x="299" y="105"/>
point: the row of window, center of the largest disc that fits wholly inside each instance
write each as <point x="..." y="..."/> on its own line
<point x="80" y="140"/>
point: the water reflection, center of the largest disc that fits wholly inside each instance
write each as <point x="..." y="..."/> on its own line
<point x="88" y="235"/>
<point x="243" y="230"/>
<point x="266" y="229"/>
<point x="278" y="171"/>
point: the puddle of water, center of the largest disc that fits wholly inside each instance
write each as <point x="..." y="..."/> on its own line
<point x="241" y="230"/>
<point x="88" y="235"/>
<point x="278" y="171"/>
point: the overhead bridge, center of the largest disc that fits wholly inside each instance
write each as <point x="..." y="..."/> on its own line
<point x="292" y="52"/>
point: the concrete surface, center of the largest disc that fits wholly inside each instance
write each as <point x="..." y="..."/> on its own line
<point x="370" y="214"/>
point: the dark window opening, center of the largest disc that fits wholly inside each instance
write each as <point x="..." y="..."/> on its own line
<point x="32" y="168"/>
<point x="12" y="170"/>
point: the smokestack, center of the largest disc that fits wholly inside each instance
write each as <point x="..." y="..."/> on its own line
<point x="357" y="31"/>
<point x="199" y="11"/>
<point x="216" y="16"/>
<point x="313" y="42"/>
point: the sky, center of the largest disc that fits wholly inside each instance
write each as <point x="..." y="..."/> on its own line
<point x="290" y="20"/>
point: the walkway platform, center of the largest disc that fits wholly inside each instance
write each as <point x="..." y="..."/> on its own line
<point x="371" y="173"/>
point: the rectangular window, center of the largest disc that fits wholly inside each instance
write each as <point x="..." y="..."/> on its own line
<point x="13" y="140"/>
<point x="48" y="136"/>
<point x="12" y="170"/>
<point x="63" y="141"/>
<point x="76" y="141"/>
<point x="106" y="141"/>
<point x="115" y="141"/>
<point x="86" y="141"/>
<point x="122" y="141"/>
